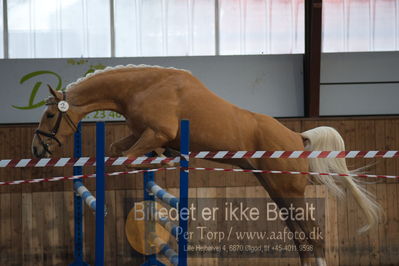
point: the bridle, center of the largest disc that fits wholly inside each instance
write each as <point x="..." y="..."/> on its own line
<point x="63" y="107"/>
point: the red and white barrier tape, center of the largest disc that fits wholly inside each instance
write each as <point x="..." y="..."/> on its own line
<point x="52" y="179"/>
<point x="82" y="161"/>
<point x="293" y="154"/>
<point x="59" y="178"/>
<point x="288" y="172"/>
<point x="110" y="161"/>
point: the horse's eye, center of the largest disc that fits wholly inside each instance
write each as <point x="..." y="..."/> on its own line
<point x="50" y="115"/>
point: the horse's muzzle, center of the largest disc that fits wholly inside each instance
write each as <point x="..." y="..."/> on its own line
<point x="39" y="153"/>
<point x="39" y="148"/>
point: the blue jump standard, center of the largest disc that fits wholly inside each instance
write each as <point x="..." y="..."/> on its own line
<point x="77" y="204"/>
<point x="183" y="202"/>
<point x="152" y="190"/>
<point x="100" y="193"/>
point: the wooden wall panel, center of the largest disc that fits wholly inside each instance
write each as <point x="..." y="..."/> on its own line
<point x="36" y="220"/>
<point x="46" y="237"/>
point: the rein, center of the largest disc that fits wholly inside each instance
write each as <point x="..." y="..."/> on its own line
<point x="63" y="107"/>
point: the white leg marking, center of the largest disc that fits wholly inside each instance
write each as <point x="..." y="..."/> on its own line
<point x="321" y="262"/>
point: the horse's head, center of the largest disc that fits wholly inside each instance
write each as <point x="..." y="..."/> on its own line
<point x="58" y="122"/>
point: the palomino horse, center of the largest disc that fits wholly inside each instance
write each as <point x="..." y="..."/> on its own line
<point x="216" y="124"/>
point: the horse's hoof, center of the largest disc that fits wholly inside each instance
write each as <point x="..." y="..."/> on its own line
<point x="115" y="151"/>
<point x="168" y="164"/>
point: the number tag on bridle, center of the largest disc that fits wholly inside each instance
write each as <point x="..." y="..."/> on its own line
<point x="63" y="106"/>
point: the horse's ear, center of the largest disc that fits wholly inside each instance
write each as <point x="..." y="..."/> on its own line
<point x="56" y="94"/>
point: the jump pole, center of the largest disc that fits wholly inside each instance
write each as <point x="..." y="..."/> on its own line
<point x="150" y="199"/>
<point x="100" y="193"/>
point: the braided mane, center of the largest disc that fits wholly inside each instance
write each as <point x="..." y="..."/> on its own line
<point x="107" y="69"/>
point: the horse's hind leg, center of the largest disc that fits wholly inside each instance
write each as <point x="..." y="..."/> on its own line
<point x="314" y="243"/>
<point x="288" y="191"/>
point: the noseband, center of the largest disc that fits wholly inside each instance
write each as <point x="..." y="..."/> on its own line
<point x="63" y="107"/>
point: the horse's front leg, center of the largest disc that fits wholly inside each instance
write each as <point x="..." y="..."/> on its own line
<point x="149" y="141"/>
<point x="118" y="147"/>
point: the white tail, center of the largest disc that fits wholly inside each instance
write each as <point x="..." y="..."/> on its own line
<point x="328" y="139"/>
